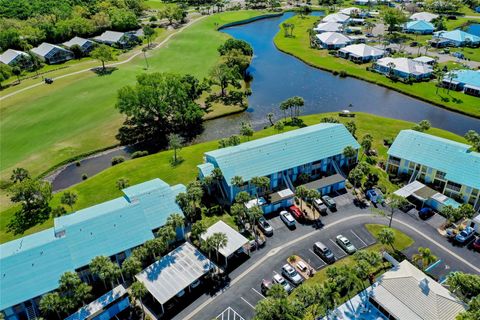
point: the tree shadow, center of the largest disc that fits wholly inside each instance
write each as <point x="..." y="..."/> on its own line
<point x="104" y="72"/>
<point x="22" y="220"/>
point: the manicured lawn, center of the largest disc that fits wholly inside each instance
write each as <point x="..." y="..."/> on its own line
<point x="49" y="124"/>
<point x="299" y="46"/>
<point x="102" y="187"/>
<point x="402" y="241"/>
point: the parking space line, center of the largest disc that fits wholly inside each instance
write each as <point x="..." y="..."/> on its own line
<point x="258" y="293"/>
<point x="356" y="235"/>
<point x="320" y="259"/>
<point x="251" y="306"/>
<point x="341" y="250"/>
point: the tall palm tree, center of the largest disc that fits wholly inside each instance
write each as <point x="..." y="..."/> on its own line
<point x="131" y="266"/>
<point x="425" y="256"/>
<point x="301" y="192"/>
<point x="218" y="240"/>
<point x="156" y="247"/>
<point x="139" y="291"/>
<point x="386" y="236"/>
<point x="167" y="234"/>
<point x="105" y="269"/>
<point x="254" y="214"/>
<point x="19" y="174"/>
<point x="176" y="220"/>
<point x="261" y="184"/>
<point x="50" y="303"/>
<point x="237" y="181"/>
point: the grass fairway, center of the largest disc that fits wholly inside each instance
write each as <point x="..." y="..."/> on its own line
<point x="51" y="123"/>
<point x="299" y="46"/>
<point x="102" y="187"/>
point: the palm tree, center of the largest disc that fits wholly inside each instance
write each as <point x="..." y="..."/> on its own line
<point x="175" y="142"/>
<point x="218" y="240"/>
<point x="156" y="247"/>
<point x="176" y="220"/>
<point x="261" y="183"/>
<point x="19" y="174"/>
<point x="386" y="236"/>
<point x="105" y="269"/>
<point x="277" y="291"/>
<point x="69" y="198"/>
<point x="425" y="256"/>
<point x="139" y="291"/>
<point x="167" y="234"/>
<point x="237" y="182"/>
<point x="198" y="228"/>
<point x="254" y="214"/>
<point x="207" y="246"/>
<point x="391" y="66"/>
<point x="51" y="302"/>
<point x="301" y="192"/>
<point x="131" y="266"/>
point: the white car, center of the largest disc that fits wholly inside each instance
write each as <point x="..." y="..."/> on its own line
<point x="346" y="244"/>
<point x="287" y="218"/>
<point x="281" y="281"/>
<point x="291" y="274"/>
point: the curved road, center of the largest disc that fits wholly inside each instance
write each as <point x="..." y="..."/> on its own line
<point x="243" y="291"/>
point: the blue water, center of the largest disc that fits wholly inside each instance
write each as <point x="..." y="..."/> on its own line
<point x="474" y="29"/>
<point x="278" y="76"/>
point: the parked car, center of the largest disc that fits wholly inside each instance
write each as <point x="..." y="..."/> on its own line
<point x="465" y="235"/>
<point x="329" y="202"/>
<point x="324" y="252"/>
<point x="345" y="244"/>
<point x="320" y="206"/>
<point x="291" y="274"/>
<point x="296" y="212"/>
<point x="281" y="281"/>
<point x="375" y="196"/>
<point x="369" y="35"/>
<point x="266" y="228"/>
<point x="195" y="284"/>
<point x="476" y="244"/>
<point x="425" y="213"/>
<point x="265" y="286"/>
<point x="287" y="219"/>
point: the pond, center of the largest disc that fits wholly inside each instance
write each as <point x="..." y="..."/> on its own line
<point x="278" y="76"/>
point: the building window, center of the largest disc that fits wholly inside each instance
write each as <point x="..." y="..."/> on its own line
<point x="440" y="175"/>
<point x="454" y="186"/>
<point x="394" y="160"/>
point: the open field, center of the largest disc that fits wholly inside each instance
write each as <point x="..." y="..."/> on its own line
<point x="102" y="187"/>
<point x="299" y="47"/>
<point x="51" y="123"/>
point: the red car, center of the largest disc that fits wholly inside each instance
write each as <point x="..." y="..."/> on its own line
<point x="296" y="212"/>
<point x="476" y="244"/>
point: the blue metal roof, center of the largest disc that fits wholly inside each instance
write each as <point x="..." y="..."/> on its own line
<point x="282" y="151"/>
<point x="206" y="169"/>
<point x="469" y="77"/>
<point x="455" y="159"/>
<point x="32" y="265"/>
<point x="419" y="25"/>
<point x="457" y="35"/>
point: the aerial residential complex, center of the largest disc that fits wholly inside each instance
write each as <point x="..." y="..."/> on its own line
<point x="32" y="265"/>
<point x="315" y="150"/>
<point x="448" y="166"/>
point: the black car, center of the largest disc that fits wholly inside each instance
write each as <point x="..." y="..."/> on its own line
<point x="425" y="213"/>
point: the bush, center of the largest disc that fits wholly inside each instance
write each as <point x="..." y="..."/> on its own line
<point x="78" y="164"/>
<point x="84" y="176"/>
<point x="371" y="160"/>
<point x="117" y="160"/>
<point x="343" y="74"/>
<point x="388" y="141"/>
<point x="335" y="73"/>
<point x="139" y="154"/>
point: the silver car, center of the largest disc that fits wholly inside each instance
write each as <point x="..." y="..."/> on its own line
<point x="281" y="281"/>
<point x="291" y="274"/>
<point x="346" y="244"/>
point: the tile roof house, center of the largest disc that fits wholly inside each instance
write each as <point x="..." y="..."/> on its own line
<point x="332" y="40"/>
<point x="328" y="27"/>
<point x="84" y="44"/>
<point x="466" y="80"/>
<point x="450" y="167"/>
<point x="426" y="16"/>
<point x="32" y="265"/>
<point x="457" y="38"/>
<point x="403" y="68"/>
<point x="315" y="150"/>
<point x="14" y="57"/>
<point x="419" y="27"/>
<point x="336" y="17"/>
<point x="361" y="53"/>
<point x="52" y="54"/>
<point x="120" y="39"/>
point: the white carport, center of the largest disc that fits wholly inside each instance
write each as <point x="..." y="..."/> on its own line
<point x="175" y="272"/>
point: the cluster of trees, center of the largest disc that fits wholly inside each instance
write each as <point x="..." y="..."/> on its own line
<point x="443" y="6"/>
<point x="312" y="301"/>
<point x="158" y="105"/>
<point x="465" y="211"/>
<point x="293" y="104"/>
<point x="422" y="126"/>
<point x="26" y="23"/>
<point x="173" y="13"/>
<point x="473" y="137"/>
<point x="467" y="287"/>
<point x="393" y="18"/>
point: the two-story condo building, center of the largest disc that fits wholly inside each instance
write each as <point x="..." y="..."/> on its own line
<point x="316" y="151"/>
<point x="450" y="167"/>
<point x="31" y="266"/>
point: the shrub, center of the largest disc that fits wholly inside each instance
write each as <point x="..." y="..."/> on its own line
<point x="387" y="141"/>
<point x="139" y="154"/>
<point x="335" y="73"/>
<point x="84" y="176"/>
<point x="343" y="74"/>
<point x="292" y="259"/>
<point x="78" y="163"/>
<point x="371" y="160"/>
<point x="117" y="160"/>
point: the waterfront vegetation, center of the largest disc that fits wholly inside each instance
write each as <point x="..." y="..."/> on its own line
<point x="299" y="46"/>
<point x="51" y="123"/>
<point x="103" y="186"/>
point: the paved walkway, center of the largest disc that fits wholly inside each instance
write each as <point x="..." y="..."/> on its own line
<point x="137" y="53"/>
